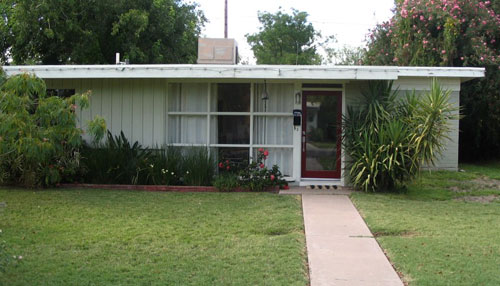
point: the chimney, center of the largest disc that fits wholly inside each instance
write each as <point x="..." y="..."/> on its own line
<point x="217" y="51"/>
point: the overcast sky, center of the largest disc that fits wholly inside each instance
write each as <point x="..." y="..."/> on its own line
<point x="348" y="20"/>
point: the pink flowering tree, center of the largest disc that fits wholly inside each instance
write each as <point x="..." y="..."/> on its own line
<point x="437" y="33"/>
<point x="458" y="33"/>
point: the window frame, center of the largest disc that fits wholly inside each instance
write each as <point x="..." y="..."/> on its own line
<point x="211" y="90"/>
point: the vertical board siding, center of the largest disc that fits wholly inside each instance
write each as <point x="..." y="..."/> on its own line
<point x="137" y="116"/>
<point x="127" y="111"/>
<point x="116" y="105"/>
<point x="148" y="112"/>
<point x="134" y="106"/>
<point x="159" y="112"/>
<point x="106" y="96"/>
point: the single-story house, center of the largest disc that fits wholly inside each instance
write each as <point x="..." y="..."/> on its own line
<point x="234" y="110"/>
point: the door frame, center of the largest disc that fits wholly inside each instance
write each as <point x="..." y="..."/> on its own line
<point x="336" y="174"/>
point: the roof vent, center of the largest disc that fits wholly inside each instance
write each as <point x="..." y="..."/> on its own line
<point x="217" y="51"/>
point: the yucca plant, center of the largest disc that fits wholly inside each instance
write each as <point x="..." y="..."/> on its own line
<point x="388" y="140"/>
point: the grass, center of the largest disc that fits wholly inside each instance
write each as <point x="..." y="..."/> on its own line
<point x="431" y="236"/>
<point x="97" y="237"/>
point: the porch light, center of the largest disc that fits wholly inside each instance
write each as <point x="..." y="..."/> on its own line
<point x="298" y="97"/>
<point x="265" y="95"/>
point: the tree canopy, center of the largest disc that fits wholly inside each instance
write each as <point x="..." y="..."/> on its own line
<point x="91" y="32"/>
<point x="459" y="33"/>
<point x="285" y="39"/>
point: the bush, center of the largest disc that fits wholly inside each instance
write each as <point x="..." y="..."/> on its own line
<point x="226" y="182"/>
<point x="257" y="177"/>
<point x="192" y="166"/>
<point x="39" y="140"/>
<point x="388" y="140"/>
<point x="117" y="161"/>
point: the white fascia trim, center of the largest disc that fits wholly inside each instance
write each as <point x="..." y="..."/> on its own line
<point x="280" y="72"/>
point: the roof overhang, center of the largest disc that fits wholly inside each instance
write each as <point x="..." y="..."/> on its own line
<point x="284" y="72"/>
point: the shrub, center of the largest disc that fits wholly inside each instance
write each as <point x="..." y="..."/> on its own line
<point x="39" y="140"/>
<point x="192" y="166"/>
<point x="198" y="167"/>
<point x="388" y="140"/>
<point x="115" y="161"/>
<point x="257" y="177"/>
<point x="226" y="182"/>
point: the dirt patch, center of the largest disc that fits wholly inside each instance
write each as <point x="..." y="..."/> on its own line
<point x="476" y="184"/>
<point x="478" y="199"/>
<point x="487" y="183"/>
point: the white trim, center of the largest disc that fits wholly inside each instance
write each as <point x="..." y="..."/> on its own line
<point x="272" y="146"/>
<point x="231" y="145"/>
<point x="252" y="96"/>
<point x="244" y="72"/>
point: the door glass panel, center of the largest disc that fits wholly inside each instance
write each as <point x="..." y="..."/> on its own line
<point x="321" y="133"/>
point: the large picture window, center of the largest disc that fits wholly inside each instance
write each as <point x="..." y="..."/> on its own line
<point x="233" y="120"/>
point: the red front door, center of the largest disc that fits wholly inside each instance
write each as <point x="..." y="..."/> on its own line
<point x="321" y="134"/>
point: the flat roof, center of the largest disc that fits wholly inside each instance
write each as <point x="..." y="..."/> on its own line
<point x="244" y="72"/>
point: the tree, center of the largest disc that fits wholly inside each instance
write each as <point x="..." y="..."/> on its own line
<point x="459" y="33"/>
<point x="345" y="55"/>
<point x="39" y="140"/>
<point x="285" y="39"/>
<point x="91" y="32"/>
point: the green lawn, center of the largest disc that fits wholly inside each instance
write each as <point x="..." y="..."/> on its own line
<point x="436" y="233"/>
<point x="97" y="237"/>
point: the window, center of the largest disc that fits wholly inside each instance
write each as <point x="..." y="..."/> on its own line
<point x="232" y="120"/>
<point x="64" y="93"/>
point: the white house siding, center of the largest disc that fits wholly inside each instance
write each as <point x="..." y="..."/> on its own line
<point x="449" y="158"/>
<point x="134" y="106"/>
<point x="156" y="112"/>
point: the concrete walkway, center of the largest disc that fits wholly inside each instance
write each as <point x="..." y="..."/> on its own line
<point x="340" y="247"/>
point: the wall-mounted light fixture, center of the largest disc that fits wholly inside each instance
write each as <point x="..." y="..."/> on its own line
<point x="298" y="97"/>
<point x="265" y="95"/>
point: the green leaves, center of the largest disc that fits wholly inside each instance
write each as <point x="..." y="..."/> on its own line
<point x="39" y="140"/>
<point x="285" y="39"/>
<point x="79" y="32"/>
<point x="388" y="140"/>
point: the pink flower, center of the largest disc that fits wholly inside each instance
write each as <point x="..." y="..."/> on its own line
<point x="272" y="177"/>
<point x="227" y="168"/>
<point x="443" y="52"/>
<point x="266" y="153"/>
<point x="421" y="18"/>
<point x="261" y="150"/>
<point x="462" y="58"/>
<point x="261" y="165"/>
<point x="221" y="165"/>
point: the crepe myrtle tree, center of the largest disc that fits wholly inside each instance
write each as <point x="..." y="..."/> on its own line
<point x="39" y="137"/>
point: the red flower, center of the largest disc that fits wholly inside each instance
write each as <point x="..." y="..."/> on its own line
<point x="221" y="165"/>
<point x="261" y="165"/>
<point x="227" y="161"/>
<point x="227" y="168"/>
<point x="272" y="177"/>
<point x="286" y="187"/>
<point x="261" y="150"/>
<point x="266" y="153"/>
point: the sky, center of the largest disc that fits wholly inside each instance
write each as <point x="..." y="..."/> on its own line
<point x="348" y="20"/>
